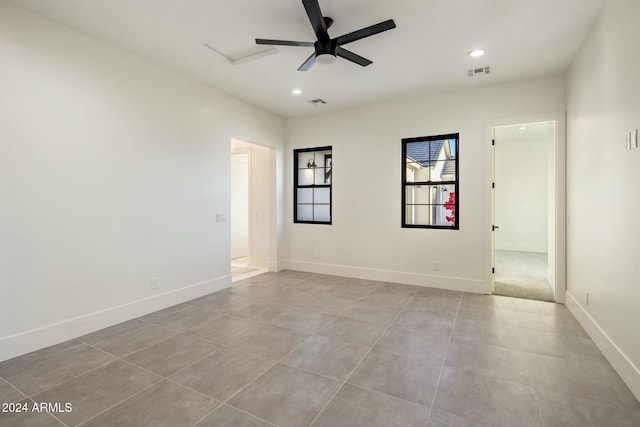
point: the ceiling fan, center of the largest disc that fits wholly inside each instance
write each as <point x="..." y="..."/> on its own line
<point x="326" y="48"/>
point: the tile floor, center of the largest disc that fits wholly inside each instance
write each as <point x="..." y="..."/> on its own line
<point x="297" y="349"/>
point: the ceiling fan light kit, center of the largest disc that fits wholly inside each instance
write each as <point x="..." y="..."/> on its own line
<point x="326" y="58"/>
<point x="327" y="49"/>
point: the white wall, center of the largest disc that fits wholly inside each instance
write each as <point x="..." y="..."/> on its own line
<point x="239" y="217"/>
<point x="603" y="237"/>
<point x="521" y="169"/>
<point x="111" y="172"/>
<point x="366" y="239"/>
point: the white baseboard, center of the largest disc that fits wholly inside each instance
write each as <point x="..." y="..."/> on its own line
<point x="629" y="373"/>
<point x="36" y="339"/>
<point x="406" y="278"/>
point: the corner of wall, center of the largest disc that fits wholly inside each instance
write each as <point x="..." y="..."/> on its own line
<point x="36" y="339"/>
<point x="629" y="373"/>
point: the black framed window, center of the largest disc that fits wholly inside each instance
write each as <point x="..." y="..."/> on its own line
<point x="312" y="185"/>
<point x="430" y="190"/>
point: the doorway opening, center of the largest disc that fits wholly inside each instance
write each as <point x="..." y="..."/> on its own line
<point x="525" y="214"/>
<point x="252" y="180"/>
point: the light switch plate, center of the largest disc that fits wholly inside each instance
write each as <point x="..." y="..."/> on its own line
<point x="627" y="141"/>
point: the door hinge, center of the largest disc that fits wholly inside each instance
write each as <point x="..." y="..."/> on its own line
<point x="493" y="185"/>
<point x="493" y="270"/>
<point x="493" y="142"/>
<point x="493" y="228"/>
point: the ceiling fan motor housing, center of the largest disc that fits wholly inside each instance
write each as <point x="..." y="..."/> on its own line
<point x="325" y="51"/>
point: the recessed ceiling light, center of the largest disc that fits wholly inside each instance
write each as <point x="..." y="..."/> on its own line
<point x="522" y="128"/>
<point x="476" y="53"/>
<point x="296" y="92"/>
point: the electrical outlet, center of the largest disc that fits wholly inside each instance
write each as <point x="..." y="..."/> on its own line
<point x="634" y="139"/>
<point x="154" y="283"/>
<point x="436" y="265"/>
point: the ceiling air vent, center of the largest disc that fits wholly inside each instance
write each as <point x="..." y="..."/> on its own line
<point x="317" y="101"/>
<point x="479" y="71"/>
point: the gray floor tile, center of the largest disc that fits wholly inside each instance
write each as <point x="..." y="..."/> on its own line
<point x="127" y="337"/>
<point x="9" y="393"/>
<point x="356" y="407"/>
<point x="410" y="343"/>
<point x="260" y="312"/>
<point x="182" y="317"/>
<point x="252" y="292"/>
<point x="443" y="419"/>
<point x="396" y="297"/>
<point x="29" y="418"/>
<point x="602" y="384"/>
<point x="163" y="405"/>
<point x="563" y="346"/>
<point x="409" y="378"/>
<point x="348" y="292"/>
<point x="222" y="374"/>
<point x="226" y="301"/>
<point x="487" y="300"/>
<point x="98" y="390"/>
<point x="585" y="413"/>
<point x="286" y="396"/>
<point x="354" y="331"/>
<point x="487" y="333"/>
<point x="425" y="321"/>
<point x="328" y="356"/>
<point x="302" y="322"/>
<point x="289" y="296"/>
<point x="494" y="361"/>
<point x="558" y="324"/>
<point x="436" y="298"/>
<point x="486" y="399"/>
<point x="224" y="329"/>
<point x="268" y="341"/>
<point x="438" y="294"/>
<point x="172" y="354"/>
<point x="505" y="362"/>
<point x="446" y="307"/>
<point x="539" y="307"/>
<point x="42" y="369"/>
<point x="227" y="416"/>
<point x="327" y="305"/>
<point x="372" y="313"/>
<point x="499" y="315"/>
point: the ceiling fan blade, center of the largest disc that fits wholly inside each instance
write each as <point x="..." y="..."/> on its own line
<point x="315" y="17"/>
<point x="283" y="42"/>
<point x="347" y="54"/>
<point x="366" y="32"/>
<point x="308" y="63"/>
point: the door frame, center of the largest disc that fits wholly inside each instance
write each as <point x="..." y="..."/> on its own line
<point x="560" y="196"/>
<point x="262" y="242"/>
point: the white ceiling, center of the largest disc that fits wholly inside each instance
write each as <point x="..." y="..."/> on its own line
<point x="426" y="53"/>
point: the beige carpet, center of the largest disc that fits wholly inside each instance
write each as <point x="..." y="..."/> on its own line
<point x="523" y="275"/>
